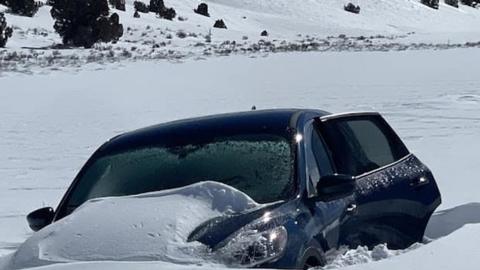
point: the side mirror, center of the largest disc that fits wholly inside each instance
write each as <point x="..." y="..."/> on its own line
<point x="335" y="186"/>
<point x="40" y="218"/>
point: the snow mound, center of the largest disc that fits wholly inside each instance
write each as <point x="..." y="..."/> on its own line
<point x="151" y="226"/>
<point x="344" y="257"/>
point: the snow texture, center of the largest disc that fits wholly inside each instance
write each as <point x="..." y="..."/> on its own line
<point x="149" y="227"/>
<point x="389" y="58"/>
<point x="314" y="25"/>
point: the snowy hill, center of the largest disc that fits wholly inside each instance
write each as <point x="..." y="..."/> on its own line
<point x="291" y="25"/>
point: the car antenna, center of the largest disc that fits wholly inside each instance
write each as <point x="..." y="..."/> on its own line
<point x="254" y="108"/>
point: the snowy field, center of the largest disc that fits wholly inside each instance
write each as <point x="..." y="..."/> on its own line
<point x="417" y="66"/>
<point x="51" y="123"/>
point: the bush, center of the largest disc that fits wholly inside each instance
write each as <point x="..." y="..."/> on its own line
<point x="118" y="4"/>
<point x="156" y="5"/>
<point x="202" y="9"/>
<point x="84" y="22"/>
<point x="453" y="3"/>
<point x="220" y="24"/>
<point x="22" y="7"/>
<point x="5" y="31"/>
<point x="136" y="14"/>
<point x="159" y="7"/>
<point x="431" y="3"/>
<point x="141" y="7"/>
<point x="352" y="8"/>
<point x="472" y="3"/>
<point x="168" y="13"/>
<point x="264" y="33"/>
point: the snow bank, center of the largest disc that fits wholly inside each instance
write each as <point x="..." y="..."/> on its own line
<point x="152" y="226"/>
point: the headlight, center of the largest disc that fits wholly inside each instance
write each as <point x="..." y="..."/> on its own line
<point x="253" y="247"/>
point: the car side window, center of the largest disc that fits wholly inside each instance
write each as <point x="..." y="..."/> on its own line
<point x="320" y="153"/>
<point x="362" y="144"/>
<point x="317" y="161"/>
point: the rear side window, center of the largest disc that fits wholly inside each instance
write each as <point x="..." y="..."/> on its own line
<point x="361" y="144"/>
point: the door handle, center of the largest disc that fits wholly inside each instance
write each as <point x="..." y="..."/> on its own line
<point x="351" y="209"/>
<point x="421" y="181"/>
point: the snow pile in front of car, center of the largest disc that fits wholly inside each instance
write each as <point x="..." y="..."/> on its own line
<point x="151" y="226"/>
<point x="344" y="257"/>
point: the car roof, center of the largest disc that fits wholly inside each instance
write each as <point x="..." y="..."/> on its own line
<point x="273" y="121"/>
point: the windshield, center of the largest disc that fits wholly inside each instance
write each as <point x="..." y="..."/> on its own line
<point x="258" y="165"/>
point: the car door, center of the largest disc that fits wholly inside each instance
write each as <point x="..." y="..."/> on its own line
<point x="327" y="216"/>
<point x="396" y="193"/>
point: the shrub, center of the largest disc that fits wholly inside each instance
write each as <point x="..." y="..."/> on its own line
<point x="159" y="7"/>
<point x="431" y="3"/>
<point x="22" y="7"/>
<point x="352" y="8"/>
<point x="84" y="22"/>
<point x="202" y="9"/>
<point x="118" y="4"/>
<point x="168" y="13"/>
<point x="264" y="33"/>
<point x="136" y="14"/>
<point x="472" y="3"/>
<point x="453" y="3"/>
<point x="141" y="7"/>
<point x="181" y="34"/>
<point x="156" y="5"/>
<point x="5" y="31"/>
<point x="109" y="28"/>
<point x="220" y="24"/>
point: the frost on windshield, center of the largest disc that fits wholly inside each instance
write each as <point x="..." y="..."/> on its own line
<point x="249" y="165"/>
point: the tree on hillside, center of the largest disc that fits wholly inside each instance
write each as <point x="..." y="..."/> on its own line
<point x="472" y="3"/>
<point x="202" y="9"/>
<point x="118" y="4"/>
<point x="22" y="7"/>
<point x="141" y="7"/>
<point x="431" y="3"/>
<point x="85" y="22"/>
<point x="453" y="3"/>
<point x="159" y="7"/>
<point x="5" y="31"/>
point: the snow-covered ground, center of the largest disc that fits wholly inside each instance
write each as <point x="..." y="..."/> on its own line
<point x="50" y="124"/>
<point x="390" y="58"/>
<point x="313" y="25"/>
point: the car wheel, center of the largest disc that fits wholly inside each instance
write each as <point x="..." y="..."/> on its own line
<point x="313" y="257"/>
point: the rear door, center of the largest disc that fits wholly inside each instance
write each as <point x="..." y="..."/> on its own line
<point x="396" y="193"/>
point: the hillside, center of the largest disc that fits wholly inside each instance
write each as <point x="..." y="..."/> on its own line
<point x="319" y="25"/>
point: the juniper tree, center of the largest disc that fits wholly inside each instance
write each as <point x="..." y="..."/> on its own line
<point x="5" y="31"/>
<point x="85" y="22"/>
<point x="22" y="7"/>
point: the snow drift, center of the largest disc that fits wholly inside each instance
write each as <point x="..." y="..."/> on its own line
<point x="147" y="227"/>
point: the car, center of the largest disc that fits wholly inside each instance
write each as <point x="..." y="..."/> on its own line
<point x="321" y="181"/>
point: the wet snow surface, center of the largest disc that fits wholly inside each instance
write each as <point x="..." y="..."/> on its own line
<point x="52" y="123"/>
<point x="53" y="120"/>
<point x="149" y="227"/>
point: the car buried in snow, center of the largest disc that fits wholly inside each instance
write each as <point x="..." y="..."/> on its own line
<point x="318" y="180"/>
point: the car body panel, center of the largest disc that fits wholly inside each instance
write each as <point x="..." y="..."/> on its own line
<point x="393" y="205"/>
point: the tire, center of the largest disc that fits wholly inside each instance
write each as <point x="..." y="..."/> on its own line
<point x="313" y="257"/>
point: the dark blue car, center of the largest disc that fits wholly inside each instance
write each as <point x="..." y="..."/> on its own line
<point x="323" y="180"/>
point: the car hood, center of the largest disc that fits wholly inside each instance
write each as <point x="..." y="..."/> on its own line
<point x="180" y="225"/>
